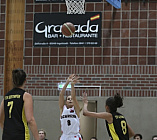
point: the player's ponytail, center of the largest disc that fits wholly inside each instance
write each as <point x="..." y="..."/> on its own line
<point x="114" y="102"/>
<point x="118" y="100"/>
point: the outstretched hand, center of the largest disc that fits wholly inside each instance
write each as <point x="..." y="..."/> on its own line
<point x="84" y="98"/>
<point x="73" y="79"/>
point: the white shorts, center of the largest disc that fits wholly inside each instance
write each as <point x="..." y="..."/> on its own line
<point x="71" y="137"/>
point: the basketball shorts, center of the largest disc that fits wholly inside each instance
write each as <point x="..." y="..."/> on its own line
<point x="71" y="137"/>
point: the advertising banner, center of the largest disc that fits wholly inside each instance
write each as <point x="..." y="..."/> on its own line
<point x="47" y="30"/>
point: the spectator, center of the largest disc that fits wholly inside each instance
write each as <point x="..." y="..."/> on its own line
<point x="42" y="134"/>
<point x="154" y="137"/>
<point x="137" y="137"/>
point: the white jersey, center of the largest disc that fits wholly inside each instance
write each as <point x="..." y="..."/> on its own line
<point x="70" y="123"/>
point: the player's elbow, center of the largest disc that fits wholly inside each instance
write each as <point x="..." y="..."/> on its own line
<point x="131" y="134"/>
<point x="85" y="112"/>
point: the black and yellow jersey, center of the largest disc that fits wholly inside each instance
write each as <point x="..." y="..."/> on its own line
<point x="118" y="130"/>
<point x="15" y="124"/>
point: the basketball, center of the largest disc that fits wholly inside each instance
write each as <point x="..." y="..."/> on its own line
<point x="68" y="29"/>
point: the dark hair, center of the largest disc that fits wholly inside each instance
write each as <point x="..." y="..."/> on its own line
<point x="154" y="136"/>
<point x="18" y="76"/>
<point x="114" y="102"/>
<point x="138" y="135"/>
<point x="93" y="138"/>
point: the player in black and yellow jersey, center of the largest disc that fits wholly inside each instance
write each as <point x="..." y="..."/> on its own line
<point x="116" y="124"/>
<point x="16" y="111"/>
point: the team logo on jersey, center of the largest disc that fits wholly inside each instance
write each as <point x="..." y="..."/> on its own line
<point x="68" y="116"/>
<point x="71" y="111"/>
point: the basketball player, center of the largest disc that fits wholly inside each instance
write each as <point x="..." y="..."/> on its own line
<point x="70" y="113"/>
<point x="116" y="124"/>
<point x="16" y="111"/>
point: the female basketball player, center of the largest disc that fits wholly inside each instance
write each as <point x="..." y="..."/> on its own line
<point x="116" y="124"/>
<point x="16" y="111"/>
<point x="70" y="113"/>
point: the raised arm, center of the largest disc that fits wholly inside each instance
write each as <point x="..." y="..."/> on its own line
<point x="61" y="95"/>
<point x="73" y="95"/>
<point x="103" y="115"/>
<point x="2" y="114"/>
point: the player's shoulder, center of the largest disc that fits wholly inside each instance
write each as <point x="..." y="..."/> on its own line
<point x="27" y="95"/>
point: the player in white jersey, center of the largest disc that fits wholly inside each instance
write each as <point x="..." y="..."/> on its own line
<point x="70" y="112"/>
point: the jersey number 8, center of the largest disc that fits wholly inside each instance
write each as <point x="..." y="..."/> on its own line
<point x="123" y="125"/>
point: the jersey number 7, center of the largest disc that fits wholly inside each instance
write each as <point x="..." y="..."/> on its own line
<point x="10" y="104"/>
